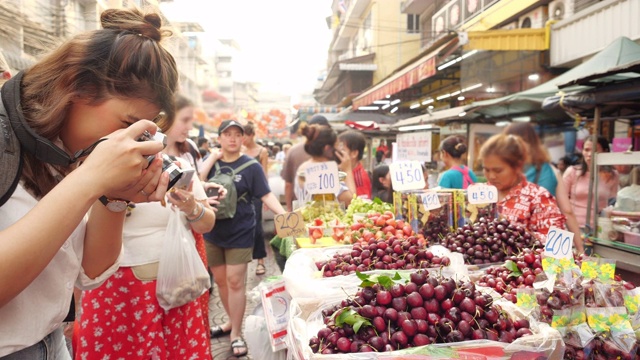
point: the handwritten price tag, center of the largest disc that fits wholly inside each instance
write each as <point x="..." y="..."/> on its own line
<point x="559" y="244"/>
<point x="322" y="178"/>
<point x="407" y="175"/>
<point x="430" y="200"/>
<point x="289" y="224"/>
<point x="482" y="194"/>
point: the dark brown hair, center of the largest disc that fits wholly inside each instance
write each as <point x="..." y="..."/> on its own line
<point x="538" y="155"/>
<point x="124" y="59"/>
<point x="354" y="141"/>
<point x="454" y="145"/>
<point x="249" y="129"/>
<point x="510" y="148"/>
<point x="318" y="137"/>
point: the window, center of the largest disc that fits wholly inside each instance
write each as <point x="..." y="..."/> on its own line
<point x="413" y="23"/>
<point x="367" y="33"/>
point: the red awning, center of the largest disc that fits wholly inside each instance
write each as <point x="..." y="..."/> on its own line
<point x="212" y="95"/>
<point x="421" y="69"/>
<point x="362" y="125"/>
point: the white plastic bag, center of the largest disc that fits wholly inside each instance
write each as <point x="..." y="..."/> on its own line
<point x="182" y="276"/>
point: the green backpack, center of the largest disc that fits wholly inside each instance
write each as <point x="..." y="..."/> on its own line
<point x="228" y="205"/>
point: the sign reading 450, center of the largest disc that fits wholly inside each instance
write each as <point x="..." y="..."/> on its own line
<point x="407" y="175"/>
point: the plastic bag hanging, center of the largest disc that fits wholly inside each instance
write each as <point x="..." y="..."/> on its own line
<point x="182" y="276"/>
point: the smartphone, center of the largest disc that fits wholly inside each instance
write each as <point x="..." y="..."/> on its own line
<point x="185" y="179"/>
<point x="212" y="191"/>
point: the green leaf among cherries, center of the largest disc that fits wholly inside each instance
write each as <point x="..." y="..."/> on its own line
<point x="351" y="317"/>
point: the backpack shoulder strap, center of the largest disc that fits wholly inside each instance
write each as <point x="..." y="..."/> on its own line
<point x="245" y="165"/>
<point x="10" y="157"/>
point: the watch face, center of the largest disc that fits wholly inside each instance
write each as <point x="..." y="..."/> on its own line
<point x="117" y="206"/>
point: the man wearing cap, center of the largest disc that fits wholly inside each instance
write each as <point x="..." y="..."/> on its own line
<point x="230" y="243"/>
<point x="295" y="157"/>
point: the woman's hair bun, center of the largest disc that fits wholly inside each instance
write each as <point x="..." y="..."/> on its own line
<point x="309" y="132"/>
<point x="461" y="147"/>
<point x="133" y="20"/>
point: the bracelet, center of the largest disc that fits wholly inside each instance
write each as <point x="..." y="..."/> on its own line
<point x="199" y="216"/>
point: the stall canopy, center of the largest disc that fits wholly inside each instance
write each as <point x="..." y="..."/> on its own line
<point x="459" y="112"/>
<point x="529" y="102"/>
<point x="616" y="88"/>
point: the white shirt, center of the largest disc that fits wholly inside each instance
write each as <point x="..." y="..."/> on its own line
<point x="280" y="156"/>
<point x="40" y="308"/>
<point x="145" y="228"/>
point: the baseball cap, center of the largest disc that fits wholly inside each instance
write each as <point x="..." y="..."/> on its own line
<point x="229" y="123"/>
<point x="319" y="120"/>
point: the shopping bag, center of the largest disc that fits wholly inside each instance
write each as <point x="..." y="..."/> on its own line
<point x="182" y="277"/>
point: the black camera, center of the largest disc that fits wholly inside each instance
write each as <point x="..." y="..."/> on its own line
<point x="168" y="165"/>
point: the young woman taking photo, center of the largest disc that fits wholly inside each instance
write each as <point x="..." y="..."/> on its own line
<point x="91" y="88"/>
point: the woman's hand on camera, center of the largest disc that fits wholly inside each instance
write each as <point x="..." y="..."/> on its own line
<point x="118" y="166"/>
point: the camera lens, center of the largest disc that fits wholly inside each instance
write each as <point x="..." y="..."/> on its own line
<point x="175" y="173"/>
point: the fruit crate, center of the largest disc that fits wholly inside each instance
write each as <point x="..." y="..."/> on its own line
<point x="304" y="280"/>
<point x="433" y="224"/>
<point x="305" y="321"/>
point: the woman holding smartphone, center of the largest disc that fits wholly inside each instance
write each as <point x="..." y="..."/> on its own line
<point x="132" y="289"/>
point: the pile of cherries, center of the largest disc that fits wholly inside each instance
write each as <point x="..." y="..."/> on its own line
<point x="424" y="311"/>
<point x="519" y="271"/>
<point x="489" y="241"/>
<point x="392" y="253"/>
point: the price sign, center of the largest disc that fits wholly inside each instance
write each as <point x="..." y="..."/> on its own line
<point x="407" y="175"/>
<point x="322" y="178"/>
<point x="482" y="194"/>
<point x="430" y="200"/>
<point x="289" y="224"/>
<point x="559" y="244"/>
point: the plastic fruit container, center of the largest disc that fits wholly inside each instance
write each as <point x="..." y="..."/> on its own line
<point x="315" y="232"/>
<point x="337" y="232"/>
<point x="632" y="238"/>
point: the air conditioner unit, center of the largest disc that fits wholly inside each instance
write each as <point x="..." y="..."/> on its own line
<point x="534" y="19"/>
<point x="510" y="26"/>
<point x="560" y="9"/>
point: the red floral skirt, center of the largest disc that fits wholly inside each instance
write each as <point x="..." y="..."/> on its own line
<point x="122" y="319"/>
<point x="204" y="298"/>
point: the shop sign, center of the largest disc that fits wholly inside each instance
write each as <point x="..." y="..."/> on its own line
<point x="423" y="69"/>
<point x="414" y="146"/>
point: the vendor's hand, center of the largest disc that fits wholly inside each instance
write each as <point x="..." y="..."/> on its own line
<point x="118" y="166"/>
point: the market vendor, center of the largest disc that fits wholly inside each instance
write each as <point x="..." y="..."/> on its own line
<point x="519" y="201"/>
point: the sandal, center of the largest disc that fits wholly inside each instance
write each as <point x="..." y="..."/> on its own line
<point x="217" y="331"/>
<point x="239" y="344"/>
<point x="261" y="269"/>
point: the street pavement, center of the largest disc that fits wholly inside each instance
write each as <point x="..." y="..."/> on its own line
<point x="221" y="347"/>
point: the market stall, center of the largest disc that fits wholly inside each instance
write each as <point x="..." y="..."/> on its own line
<point x="438" y="274"/>
<point x="608" y="93"/>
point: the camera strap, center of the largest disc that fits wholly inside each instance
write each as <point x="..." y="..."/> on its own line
<point x="43" y="149"/>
